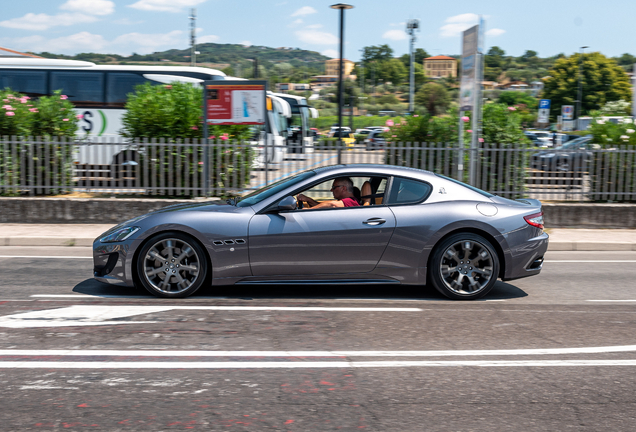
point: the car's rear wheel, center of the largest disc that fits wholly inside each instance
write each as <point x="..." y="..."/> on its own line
<point x="172" y="264"/>
<point x="465" y="266"/>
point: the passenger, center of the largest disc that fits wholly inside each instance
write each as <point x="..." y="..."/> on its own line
<point x="342" y="189"/>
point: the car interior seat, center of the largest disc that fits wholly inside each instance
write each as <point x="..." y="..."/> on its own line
<point x="368" y="192"/>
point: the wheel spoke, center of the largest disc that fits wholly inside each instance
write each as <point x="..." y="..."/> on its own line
<point x="153" y="254"/>
<point x="466" y="267"/>
<point x="447" y="270"/>
<point x="178" y="260"/>
<point x="152" y="272"/>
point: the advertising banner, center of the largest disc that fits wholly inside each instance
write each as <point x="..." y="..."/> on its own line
<point x="470" y="42"/>
<point x="567" y="111"/>
<point x="235" y="102"/>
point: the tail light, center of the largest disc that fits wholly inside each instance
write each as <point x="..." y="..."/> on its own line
<point x="536" y="220"/>
<point x="371" y="140"/>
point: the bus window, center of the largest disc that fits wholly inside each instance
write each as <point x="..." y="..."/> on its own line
<point x="30" y="83"/>
<point x="82" y="88"/>
<point x="119" y="85"/>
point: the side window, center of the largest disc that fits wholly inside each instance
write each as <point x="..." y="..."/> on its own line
<point x="80" y="87"/>
<point x="31" y="83"/>
<point x="120" y="84"/>
<point x="407" y="191"/>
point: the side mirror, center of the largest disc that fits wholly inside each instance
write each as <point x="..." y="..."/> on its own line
<point x="288" y="203"/>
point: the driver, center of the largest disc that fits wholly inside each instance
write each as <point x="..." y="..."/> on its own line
<point x="342" y="189"/>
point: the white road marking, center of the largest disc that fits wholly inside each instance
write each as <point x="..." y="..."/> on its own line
<point x="312" y="365"/>
<point x="627" y="301"/>
<point x="45" y="257"/>
<point x="90" y="296"/>
<point x="337" y="353"/>
<point x="81" y="315"/>
<point x="590" y="261"/>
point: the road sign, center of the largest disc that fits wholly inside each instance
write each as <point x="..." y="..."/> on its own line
<point x="567" y="111"/>
<point x="544" y="115"/>
<point x="544" y="104"/>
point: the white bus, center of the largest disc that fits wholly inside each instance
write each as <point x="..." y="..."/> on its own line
<point x="99" y="92"/>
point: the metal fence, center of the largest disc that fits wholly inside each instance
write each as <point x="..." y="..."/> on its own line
<point x="195" y="169"/>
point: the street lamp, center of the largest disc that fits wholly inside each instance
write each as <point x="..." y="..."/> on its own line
<point x="342" y="8"/>
<point x="580" y="91"/>
<point x="411" y="26"/>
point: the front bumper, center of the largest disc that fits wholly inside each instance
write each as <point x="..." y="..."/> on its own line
<point x="111" y="262"/>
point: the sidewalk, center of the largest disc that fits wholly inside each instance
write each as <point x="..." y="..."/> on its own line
<point x="561" y="239"/>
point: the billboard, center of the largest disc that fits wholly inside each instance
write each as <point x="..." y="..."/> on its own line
<point x="470" y="43"/>
<point x="567" y="111"/>
<point x="235" y="102"/>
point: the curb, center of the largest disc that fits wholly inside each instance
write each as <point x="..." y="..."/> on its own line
<point x="554" y="246"/>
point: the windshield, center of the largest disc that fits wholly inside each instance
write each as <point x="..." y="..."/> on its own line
<point x="575" y="143"/>
<point x="272" y="189"/>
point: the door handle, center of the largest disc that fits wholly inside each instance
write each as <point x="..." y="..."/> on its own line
<point x="374" y="221"/>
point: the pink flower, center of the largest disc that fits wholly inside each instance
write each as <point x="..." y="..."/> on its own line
<point x="469" y="131"/>
<point x="33" y="109"/>
<point x="200" y="163"/>
<point x="168" y="86"/>
<point x="212" y="137"/>
<point x="63" y="97"/>
<point x="389" y="123"/>
<point x="8" y="107"/>
<point x="481" y="140"/>
<point x="223" y="137"/>
<point x="416" y="115"/>
<point x="23" y="100"/>
<point x="512" y="109"/>
<point x="80" y="116"/>
<point x="64" y="119"/>
<point x="194" y="128"/>
<point x="10" y="113"/>
<point x="394" y="136"/>
<point x="465" y="119"/>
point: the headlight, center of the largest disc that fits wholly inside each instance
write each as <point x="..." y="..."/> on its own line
<point x="120" y="234"/>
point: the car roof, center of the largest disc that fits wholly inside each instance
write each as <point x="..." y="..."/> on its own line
<point x="375" y="168"/>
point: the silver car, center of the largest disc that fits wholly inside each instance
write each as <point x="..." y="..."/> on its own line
<point x="415" y="228"/>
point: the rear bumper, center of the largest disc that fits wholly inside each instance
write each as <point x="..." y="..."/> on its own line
<point x="527" y="258"/>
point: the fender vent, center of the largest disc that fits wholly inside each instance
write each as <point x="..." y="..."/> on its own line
<point x="229" y="242"/>
<point x="240" y="241"/>
<point x="217" y="243"/>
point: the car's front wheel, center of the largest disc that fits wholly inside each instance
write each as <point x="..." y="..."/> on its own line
<point x="465" y="266"/>
<point x="172" y="265"/>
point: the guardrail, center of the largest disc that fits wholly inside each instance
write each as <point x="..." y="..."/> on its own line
<point x="195" y="169"/>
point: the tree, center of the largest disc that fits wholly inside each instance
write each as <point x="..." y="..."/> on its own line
<point x="392" y="70"/>
<point x="601" y="78"/>
<point x="378" y="53"/>
<point x="433" y="97"/>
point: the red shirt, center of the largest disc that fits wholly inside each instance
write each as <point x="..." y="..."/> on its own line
<point x="350" y="202"/>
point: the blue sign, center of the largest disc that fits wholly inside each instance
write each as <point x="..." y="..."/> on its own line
<point x="544" y="104"/>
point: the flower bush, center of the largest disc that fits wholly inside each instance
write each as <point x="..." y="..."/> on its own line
<point x="173" y="113"/>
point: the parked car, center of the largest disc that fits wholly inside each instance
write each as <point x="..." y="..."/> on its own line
<point x="345" y="135"/>
<point x="375" y="140"/>
<point x="574" y="155"/>
<point x="419" y="228"/>
<point x="540" y="138"/>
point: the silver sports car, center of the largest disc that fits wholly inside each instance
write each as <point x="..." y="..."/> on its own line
<point x="404" y="226"/>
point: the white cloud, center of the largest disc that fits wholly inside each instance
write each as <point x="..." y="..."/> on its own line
<point x="314" y="26"/>
<point x="208" y="39"/>
<point x="165" y="5"/>
<point x="246" y="44"/>
<point x="316" y="37"/>
<point x="295" y="23"/>
<point x="90" y="7"/>
<point x="330" y="53"/>
<point x="43" y="21"/>
<point x="455" y="25"/>
<point x="395" y="35"/>
<point x="73" y="44"/>
<point x="148" y="43"/>
<point x="495" y="32"/>
<point x="126" y="21"/>
<point x="305" y="10"/>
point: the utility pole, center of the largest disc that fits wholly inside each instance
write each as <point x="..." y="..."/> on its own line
<point x="193" y="37"/>
<point x="579" y="95"/>
<point x="411" y="27"/>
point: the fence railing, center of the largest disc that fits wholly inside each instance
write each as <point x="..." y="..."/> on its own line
<point x="223" y="168"/>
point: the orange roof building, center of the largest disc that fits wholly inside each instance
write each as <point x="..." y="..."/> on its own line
<point x="440" y="66"/>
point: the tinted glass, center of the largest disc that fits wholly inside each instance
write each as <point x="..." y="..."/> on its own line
<point x="120" y="84"/>
<point x="32" y="83"/>
<point x="80" y="86"/>
<point x="406" y="191"/>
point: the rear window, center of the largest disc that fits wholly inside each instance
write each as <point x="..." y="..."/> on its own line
<point x="479" y="191"/>
<point x="408" y="191"/>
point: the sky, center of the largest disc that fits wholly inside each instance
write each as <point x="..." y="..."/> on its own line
<point x="145" y="26"/>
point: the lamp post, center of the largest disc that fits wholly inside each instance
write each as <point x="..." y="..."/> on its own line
<point x="579" y="96"/>
<point x="341" y="7"/>
<point x="411" y="26"/>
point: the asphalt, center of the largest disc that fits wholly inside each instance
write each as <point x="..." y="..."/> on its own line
<point x="561" y="239"/>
